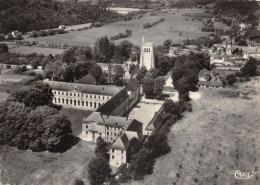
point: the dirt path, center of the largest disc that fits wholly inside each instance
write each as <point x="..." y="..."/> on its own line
<point x="221" y="135"/>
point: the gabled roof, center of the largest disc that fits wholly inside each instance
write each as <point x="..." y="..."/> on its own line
<point x="123" y="142"/>
<point x="88" y="79"/>
<point x="114" y="102"/>
<point x="88" y="89"/>
<point x="157" y="121"/>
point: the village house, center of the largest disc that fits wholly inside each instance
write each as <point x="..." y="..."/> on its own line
<point x="118" y="150"/>
<point x="209" y="79"/>
<point x="81" y="96"/>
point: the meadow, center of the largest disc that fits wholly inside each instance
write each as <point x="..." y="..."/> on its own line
<point x="28" y="50"/>
<point x="220" y="136"/>
<point x="173" y="25"/>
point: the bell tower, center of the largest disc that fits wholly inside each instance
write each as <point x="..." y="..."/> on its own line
<point x="147" y="55"/>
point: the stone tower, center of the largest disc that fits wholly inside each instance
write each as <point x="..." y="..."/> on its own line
<point x="147" y="55"/>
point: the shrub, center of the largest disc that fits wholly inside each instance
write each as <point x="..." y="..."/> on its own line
<point x="231" y="79"/>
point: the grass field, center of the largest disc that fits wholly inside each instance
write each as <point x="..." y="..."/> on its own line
<point x="221" y="135"/>
<point x="75" y="116"/>
<point x="13" y="78"/>
<point x="26" y="167"/>
<point x="169" y="29"/>
<point x="28" y="50"/>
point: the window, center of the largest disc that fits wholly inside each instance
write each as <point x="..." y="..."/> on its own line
<point x="75" y="102"/>
<point x="86" y="95"/>
<point x="62" y="93"/>
<point x="74" y="94"/>
<point x="113" y="157"/>
<point x="90" y="104"/>
<point x="122" y="151"/>
<point x="78" y="102"/>
<point x="67" y="101"/>
<point x="66" y="93"/>
<point x="78" y="95"/>
<point x="86" y="132"/>
<point x="58" y="92"/>
<point x="100" y="134"/>
<point x="54" y="92"/>
<point x="82" y="103"/>
<point x="114" y="134"/>
<point x="103" y="97"/>
<point x="108" y="133"/>
<point x="113" y="150"/>
<point x="59" y="100"/>
<point x="70" y="94"/>
<point x="90" y="96"/>
<point x="62" y="101"/>
<point x="98" y="97"/>
<point x="71" y="102"/>
<point x="95" y="96"/>
<point x="86" y="126"/>
<point x="87" y="103"/>
<point x="95" y="104"/>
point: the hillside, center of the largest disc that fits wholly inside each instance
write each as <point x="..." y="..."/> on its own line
<point x="28" y="15"/>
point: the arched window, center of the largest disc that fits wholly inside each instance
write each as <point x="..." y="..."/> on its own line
<point x="75" y="102"/>
<point x="95" y="105"/>
<point x="90" y="104"/>
<point x="62" y="101"/>
<point x="86" y="126"/>
<point x="87" y="103"/>
<point x="71" y="102"/>
<point x="67" y="101"/>
<point x="78" y="102"/>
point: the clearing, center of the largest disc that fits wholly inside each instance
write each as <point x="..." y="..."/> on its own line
<point x="39" y="50"/>
<point x="169" y="29"/>
<point x="221" y="135"/>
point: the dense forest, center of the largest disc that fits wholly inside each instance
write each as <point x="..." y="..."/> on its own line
<point x="28" y="15"/>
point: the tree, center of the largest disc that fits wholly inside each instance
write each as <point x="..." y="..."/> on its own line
<point x="96" y="72"/>
<point x="158" y="143"/>
<point x="142" y="164"/>
<point x="19" y="36"/>
<point x="56" y="127"/>
<point x="98" y="170"/>
<point x="148" y="86"/>
<point x="36" y="95"/>
<point x="141" y="73"/>
<point x="54" y="70"/>
<point x="242" y="43"/>
<point x="249" y="69"/>
<point x="159" y="83"/>
<point x="231" y="79"/>
<point x="134" y="146"/>
<point x="118" y="74"/>
<point x="101" y="148"/>
<point x="35" y="62"/>
<point x="3" y="48"/>
<point x="68" y="56"/>
<point x="167" y="44"/>
<point x="34" y="33"/>
<point x="154" y="72"/>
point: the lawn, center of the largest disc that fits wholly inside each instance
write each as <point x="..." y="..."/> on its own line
<point x="169" y="29"/>
<point x="221" y="135"/>
<point x="28" y="50"/>
<point x="26" y="167"/>
<point x="75" y="116"/>
<point x="13" y="78"/>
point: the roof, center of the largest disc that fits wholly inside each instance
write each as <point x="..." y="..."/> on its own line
<point x="134" y="126"/>
<point x="123" y="142"/>
<point x="113" y="102"/>
<point x="157" y="121"/>
<point x="83" y="88"/>
<point x="112" y="121"/>
<point x="211" y="83"/>
<point x="88" y="79"/>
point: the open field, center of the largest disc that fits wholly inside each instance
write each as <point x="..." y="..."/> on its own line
<point x="221" y="135"/>
<point x="26" y="167"/>
<point x="13" y="78"/>
<point x="28" y="50"/>
<point x="169" y="29"/>
<point x="75" y="116"/>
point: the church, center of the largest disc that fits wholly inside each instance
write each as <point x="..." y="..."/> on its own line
<point x="147" y="55"/>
